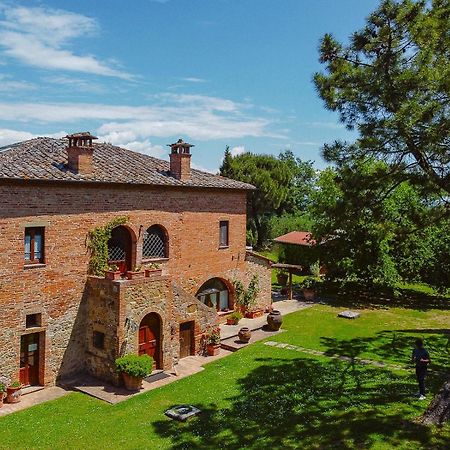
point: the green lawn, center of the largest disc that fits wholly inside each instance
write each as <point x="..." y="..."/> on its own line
<point x="268" y="398"/>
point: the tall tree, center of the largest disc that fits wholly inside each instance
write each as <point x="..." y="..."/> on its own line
<point x="392" y="84"/>
<point x="283" y="185"/>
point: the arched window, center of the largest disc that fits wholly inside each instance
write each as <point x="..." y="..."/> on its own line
<point x="155" y="243"/>
<point x="119" y="248"/>
<point x="214" y="293"/>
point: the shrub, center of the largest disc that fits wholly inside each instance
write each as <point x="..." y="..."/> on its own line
<point x="314" y="268"/>
<point x="134" y="365"/>
<point x="308" y="283"/>
<point x="2" y="388"/>
<point x="237" y="316"/>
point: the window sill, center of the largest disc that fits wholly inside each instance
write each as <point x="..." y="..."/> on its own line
<point x="34" y="266"/>
<point x="223" y="247"/>
<point x="154" y="260"/>
<point x="225" y="313"/>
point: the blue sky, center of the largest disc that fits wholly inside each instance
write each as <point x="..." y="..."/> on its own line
<point x="142" y="73"/>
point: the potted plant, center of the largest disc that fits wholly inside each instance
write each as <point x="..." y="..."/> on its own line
<point x="212" y="340"/>
<point x="2" y="393"/>
<point x="282" y="278"/>
<point x="113" y="272"/>
<point x="13" y="392"/>
<point x="308" y="286"/>
<point x="233" y="319"/>
<point x="134" y="369"/>
<point x="135" y="273"/>
<point x="154" y="271"/>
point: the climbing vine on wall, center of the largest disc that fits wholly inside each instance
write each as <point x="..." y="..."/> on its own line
<point x="98" y="245"/>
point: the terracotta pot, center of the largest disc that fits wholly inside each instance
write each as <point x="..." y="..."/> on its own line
<point x="213" y="349"/>
<point x="244" y="334"/>
<point x="153" y="273"/>
<point x="309" y="294"/>
<point x="13" y="394"/>
<point x="231" y="321"/>
<point x="113" y="275"/>
<point x="132" y="383"/>
<point x="274" y="320"/>
<point x="282" y="279"/>
<point x="253" y="314"/>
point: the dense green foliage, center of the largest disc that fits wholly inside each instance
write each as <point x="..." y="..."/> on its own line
<point x="98" y="245"/>
<point x="283" y="184"/>
<point x="269" y="398"/>
<point x="392" y="84"/>
<point x="375" y="230"/>
<point x="134" y="365"/>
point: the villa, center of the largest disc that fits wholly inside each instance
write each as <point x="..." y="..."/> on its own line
<point x="185" y="226"/>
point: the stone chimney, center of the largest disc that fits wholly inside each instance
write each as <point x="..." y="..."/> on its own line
<point x="80" y="153"/>
<point x="180" y="160"/>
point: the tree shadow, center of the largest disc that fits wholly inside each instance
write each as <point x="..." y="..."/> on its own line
<point x="355" y="295"/>
<point x="306" y="403"/>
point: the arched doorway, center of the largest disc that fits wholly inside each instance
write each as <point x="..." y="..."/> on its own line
<point x="150" y="338"/>
<point x="120" y="248"/>
<point x="216" y="294"/>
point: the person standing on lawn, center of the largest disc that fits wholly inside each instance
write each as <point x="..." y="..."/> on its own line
<point x="421" y="358"/>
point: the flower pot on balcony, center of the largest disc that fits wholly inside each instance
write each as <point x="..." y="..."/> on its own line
<point x="213" y="349"/>
<point x="132" y="383"/>
<point x="133" y="275"/>
<point x="112" y="275"/>
<point x="153" y="273"/>
<point x="13" y="394"/>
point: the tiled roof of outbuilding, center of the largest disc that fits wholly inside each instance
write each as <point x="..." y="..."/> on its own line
<point x="45" y="158"/>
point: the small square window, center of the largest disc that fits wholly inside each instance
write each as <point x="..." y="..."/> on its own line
<point x="33" y="320"/>
<point x="34" y="245"/>
<point x="224" y="232"/>
<point x="98" y="340"/>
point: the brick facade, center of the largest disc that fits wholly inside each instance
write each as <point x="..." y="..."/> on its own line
<point x="72" y="305"/>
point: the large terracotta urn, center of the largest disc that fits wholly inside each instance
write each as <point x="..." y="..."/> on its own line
<point x="132" y="383"/>
<point x="244" y="334"/>
<point x="274" y="320"/>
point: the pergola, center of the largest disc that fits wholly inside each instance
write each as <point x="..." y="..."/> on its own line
<point x="290" y="269"/>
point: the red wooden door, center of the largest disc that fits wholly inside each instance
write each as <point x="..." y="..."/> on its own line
<point x="29" y="359"/>
<point x="148" y="344"/>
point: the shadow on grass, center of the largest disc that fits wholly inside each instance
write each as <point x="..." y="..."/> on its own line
<point x="355" y="295"/>
<point x="306" y="403"/>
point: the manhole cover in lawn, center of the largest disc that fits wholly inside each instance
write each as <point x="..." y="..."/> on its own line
<point x="349" y="314"/>
<point x="182" y="412"/>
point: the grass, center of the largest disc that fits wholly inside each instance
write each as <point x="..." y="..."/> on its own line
<point x="268" y="398"/>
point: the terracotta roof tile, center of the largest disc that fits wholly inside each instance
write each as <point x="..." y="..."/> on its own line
<point x="45" y="158"/>
<point x="296" y="238"/>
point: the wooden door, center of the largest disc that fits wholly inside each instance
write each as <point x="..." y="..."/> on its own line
<point x="186" y="339"/>
<point x="148" y="344"/>
<point x="29" y="359"/>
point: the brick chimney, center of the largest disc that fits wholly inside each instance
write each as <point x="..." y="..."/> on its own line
<point x="80" y="152"/>
<point x="180" y="160"/>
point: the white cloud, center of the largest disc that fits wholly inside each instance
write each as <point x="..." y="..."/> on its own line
<point x="194" y="80"/>
<point x="78" y="84"/>
<point x="38" y="37"/>
<point x="237" y="150"/>
<point x="191" y="116"/>
<point x="7" y="84"/>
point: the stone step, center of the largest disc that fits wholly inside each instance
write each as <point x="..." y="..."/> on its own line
<point x="30" y="389"/>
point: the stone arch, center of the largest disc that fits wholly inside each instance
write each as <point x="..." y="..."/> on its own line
<point x="122" y="248"/>
<point x="211" y="293"/>
<point x="161" y="239"/>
